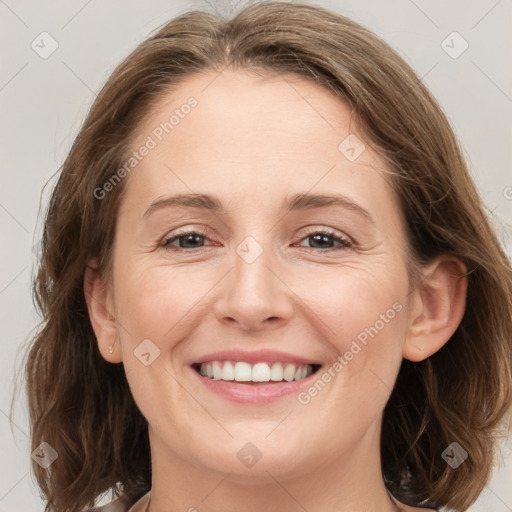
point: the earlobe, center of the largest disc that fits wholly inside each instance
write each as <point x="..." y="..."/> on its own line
<point x="102" y="320"/>
<point x="439" y="303"/>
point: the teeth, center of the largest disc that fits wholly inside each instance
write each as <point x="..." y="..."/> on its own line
<point x="261" y="372"/>
<point x="241" y="371"/>
<point x="228" y="372"/>
<point x="276" y="373"/>
<point x="217" y="370"/>
<point x="289" y="372"/>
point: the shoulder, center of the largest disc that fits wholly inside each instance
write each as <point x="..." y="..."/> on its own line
<point x="122" y="504"/>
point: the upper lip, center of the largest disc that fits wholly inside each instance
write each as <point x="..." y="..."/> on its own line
<point x="254" y="356"/>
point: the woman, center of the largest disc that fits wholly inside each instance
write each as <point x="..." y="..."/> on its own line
<point x="268" y="282"/>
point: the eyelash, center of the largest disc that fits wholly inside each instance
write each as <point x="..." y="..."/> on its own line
<point x="344" y="242"/>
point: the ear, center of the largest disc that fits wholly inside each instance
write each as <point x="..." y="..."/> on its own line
<point x="100" y="306"/>
<point x="437" y="307"/>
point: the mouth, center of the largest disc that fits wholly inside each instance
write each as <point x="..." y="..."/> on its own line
<point x="254" y="376"/>
<point x="260" y="373"/>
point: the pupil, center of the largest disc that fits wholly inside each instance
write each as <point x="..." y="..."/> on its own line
<point x="191" y="238"/>
<point x="321" y="238"/>
<point x="194" y="238"/>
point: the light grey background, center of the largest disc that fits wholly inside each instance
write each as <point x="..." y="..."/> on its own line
<point x="44" y="100"/>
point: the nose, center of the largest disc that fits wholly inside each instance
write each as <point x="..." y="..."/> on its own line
<point x="254" y="295"/>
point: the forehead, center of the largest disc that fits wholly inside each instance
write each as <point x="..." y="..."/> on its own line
<point x="237" y="132"/>
<point x="269" y="111"/>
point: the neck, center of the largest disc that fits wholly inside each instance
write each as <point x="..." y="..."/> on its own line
<point x="350" y="482"/>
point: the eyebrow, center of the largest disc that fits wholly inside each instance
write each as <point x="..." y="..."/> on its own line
<point x="296" y="202"/>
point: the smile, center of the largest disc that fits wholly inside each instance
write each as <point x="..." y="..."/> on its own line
<point x="242" y="371"/>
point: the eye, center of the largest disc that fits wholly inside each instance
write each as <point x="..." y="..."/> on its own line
<point x="187" y="240"/>
<point x="194" y="239"/>
<point x="323" y="239"/>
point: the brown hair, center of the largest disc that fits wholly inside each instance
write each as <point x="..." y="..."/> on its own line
<point x="82" y="406"/>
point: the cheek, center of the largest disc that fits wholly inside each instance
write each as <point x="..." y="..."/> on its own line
<point x="355" y="302"/>
<point x="156" y="308"/>
<point x="159" y="303"/>
<point x="361" y="315"/>
<point x="366" y="324"/>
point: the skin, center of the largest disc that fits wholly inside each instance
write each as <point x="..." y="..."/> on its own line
<point x="252" y="141"/>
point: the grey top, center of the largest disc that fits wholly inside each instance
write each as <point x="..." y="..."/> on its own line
<point x="121" y="505"/>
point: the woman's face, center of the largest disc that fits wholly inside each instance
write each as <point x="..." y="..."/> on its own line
<point x="286" y="246"/>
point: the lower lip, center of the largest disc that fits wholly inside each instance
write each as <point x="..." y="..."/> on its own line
<point x="253" y="393"/>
